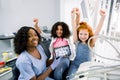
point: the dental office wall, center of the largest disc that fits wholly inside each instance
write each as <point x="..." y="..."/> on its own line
<point x="65" y="10"/>
<point x="17" y="13"/>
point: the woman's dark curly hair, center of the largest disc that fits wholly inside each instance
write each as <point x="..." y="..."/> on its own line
<point x="66" y="31"/>
<point x="21" y="38"/>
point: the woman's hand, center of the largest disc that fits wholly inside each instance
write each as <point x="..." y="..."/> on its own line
<point x="55" y="63"/>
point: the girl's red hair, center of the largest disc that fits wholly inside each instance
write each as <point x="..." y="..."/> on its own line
<point x="84" y="25"/>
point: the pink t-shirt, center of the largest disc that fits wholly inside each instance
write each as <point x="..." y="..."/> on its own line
<point x="61" y="47"/>
<point x="59" y="43"/>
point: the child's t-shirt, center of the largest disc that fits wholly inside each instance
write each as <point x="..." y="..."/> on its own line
<point x="61" y="47"/>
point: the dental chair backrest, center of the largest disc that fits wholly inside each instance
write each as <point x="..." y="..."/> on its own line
<point x="106" y="49"/>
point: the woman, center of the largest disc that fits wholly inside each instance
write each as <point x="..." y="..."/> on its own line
<point x="31" y="61"/>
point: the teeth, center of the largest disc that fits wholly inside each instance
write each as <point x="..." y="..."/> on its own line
<point x="35" y="41"/>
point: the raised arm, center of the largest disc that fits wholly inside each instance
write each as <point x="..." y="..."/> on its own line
<point x="35" y="21"/>
<point x="101" y="21"/>
<point x="75" y="19"/>
<point x="45" y="35"/>
<point x="77" y="11"/>
<point x="100" y="24"/>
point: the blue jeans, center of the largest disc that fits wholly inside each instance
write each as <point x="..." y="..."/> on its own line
<point x="74" y="67"/>
<point x="72" y="70"/>
<point x="58" y="72"/>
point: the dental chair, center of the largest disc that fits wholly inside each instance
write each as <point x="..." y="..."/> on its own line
<point x="101" y="67"/>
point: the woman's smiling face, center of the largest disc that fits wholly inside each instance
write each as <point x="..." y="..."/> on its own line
<point x="32" y="38"/>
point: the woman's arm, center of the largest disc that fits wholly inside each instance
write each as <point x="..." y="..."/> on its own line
<point x="44" y="75"/>
<point x="54" y="64"/>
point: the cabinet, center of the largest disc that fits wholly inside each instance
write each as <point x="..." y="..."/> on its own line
<point x="6" y="43"/>
<point x="6" y="46"/>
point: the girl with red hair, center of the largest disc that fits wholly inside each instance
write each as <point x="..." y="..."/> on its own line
<point x="81" y="34"/>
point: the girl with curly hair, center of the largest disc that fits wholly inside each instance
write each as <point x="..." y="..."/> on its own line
<point x="61" y="45"/>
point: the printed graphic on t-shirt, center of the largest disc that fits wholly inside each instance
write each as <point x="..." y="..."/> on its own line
<point x="62" y="51"/>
